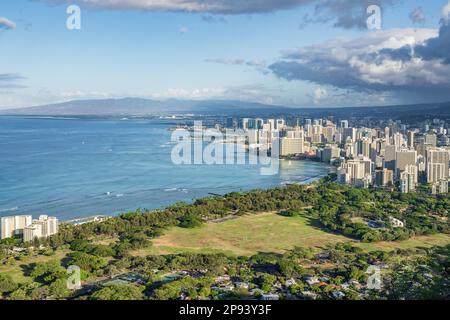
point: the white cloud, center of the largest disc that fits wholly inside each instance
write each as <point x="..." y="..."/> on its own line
<point x="239" y="62"/>
<point x="411" y="62"/>
<point x="319" y="94"/>
<point x="253" y="93"/>
<point x="6" y="24"/>
<point x="446" y="10"/>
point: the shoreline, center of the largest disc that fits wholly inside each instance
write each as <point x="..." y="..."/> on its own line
<point x="119" y="185"/>
<point x="15" y="210"/>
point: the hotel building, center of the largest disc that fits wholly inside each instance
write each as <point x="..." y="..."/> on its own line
<point x="14" y="225"/>
<point x="24" y="225"/>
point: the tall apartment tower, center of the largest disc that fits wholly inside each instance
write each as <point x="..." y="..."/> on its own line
<point x="398" y="141"/>
<point x="437" y="165"/>
<point x="389" y="157"/>
<point x="403" y="158"/>
<point x="45" y="226"/>
<point x="15" y="225"/>
<point x="410" y="137"/>
<point x="32" y="232"/>
<point x="431" y="139"/>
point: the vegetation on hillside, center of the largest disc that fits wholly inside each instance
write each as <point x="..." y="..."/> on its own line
<point x="103" y="250"/>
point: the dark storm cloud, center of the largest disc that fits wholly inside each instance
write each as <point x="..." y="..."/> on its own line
<point x="400" y="61"/>
<point x="201" y="6"/>
<point x="344" y="13"/>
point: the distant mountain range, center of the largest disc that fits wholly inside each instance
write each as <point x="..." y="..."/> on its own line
<point x="146" y="107"/>
<point x="141" y="107"/>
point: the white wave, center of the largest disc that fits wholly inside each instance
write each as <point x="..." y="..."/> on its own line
<point x="9" y="209"/>
<point x="176" y="190"/>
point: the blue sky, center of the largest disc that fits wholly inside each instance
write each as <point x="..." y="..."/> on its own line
<point x="167" y="52"/>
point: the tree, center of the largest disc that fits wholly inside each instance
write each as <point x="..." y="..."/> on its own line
<point x="48" y="272"/>
<point x="296" y="289"/>
<point x="58" y="289"/>
<point x="103" y="251"/>
<point x="118" y="292"/>
<point x="87" y="262"/>
<point x="19" y="294"/>
<point x="190" y="221"/>
<point x="7" y="284"/>
<point x="267" y="281"/>
<point x="289" y="268"/>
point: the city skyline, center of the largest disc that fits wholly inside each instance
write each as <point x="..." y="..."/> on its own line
<point x="294" y="53"/>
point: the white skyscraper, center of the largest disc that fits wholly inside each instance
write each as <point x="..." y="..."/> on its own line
<point x="45" y="226"/>
<point x="32" y="232"/>
<point x="14" y="225"/>
<point x="437" y="164"/>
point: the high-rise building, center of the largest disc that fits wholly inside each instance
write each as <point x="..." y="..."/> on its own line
<point x="280" y="124"/>
<point x="328" y="133"/>
<point x="32" y="232"/>
<point x="410" y="137"/>
<point x="49" y="225"/>
<point x="349" y="133"/>
<point x="272" y="124"/>
<point x="25" y="225"/>
<point x="436" y="172"/>
<point x="297" y="133"/>
<point x="45" y="226"/>
<point x="252" y="124"/>
<point x="374" y="151"/>
<point x="364" y="147"/>
<point x="244" y="125"/>
<point x="330" y="152"/>
<point x="403" y="158"/>
<point x="431" y="139"/>
<point x="357" y="172"/>
<point x="259" y="123"/>
<point x="437" y="164"/>
<point x="440" y="187"/>
<point x="413" y="171"/>
<point x="389" y="157"/>
<point x="422" y="148"/>
<point x="291" y="146"/>
<point x="387" y="133"/>
<point x="11" y="226"/>
<point x="408" y="179"/>
<point x="405" y="182"/>
<point x="384" y="178"/>
<point x="398" y="141"/>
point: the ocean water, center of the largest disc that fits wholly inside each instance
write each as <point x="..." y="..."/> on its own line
<point x="74" y="168"/>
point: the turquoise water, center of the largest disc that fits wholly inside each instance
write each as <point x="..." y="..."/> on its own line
<point x="74" y="168"/>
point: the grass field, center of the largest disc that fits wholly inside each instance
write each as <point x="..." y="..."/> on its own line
<point x="17" y="271"/>
<point x="266" y="232"/>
